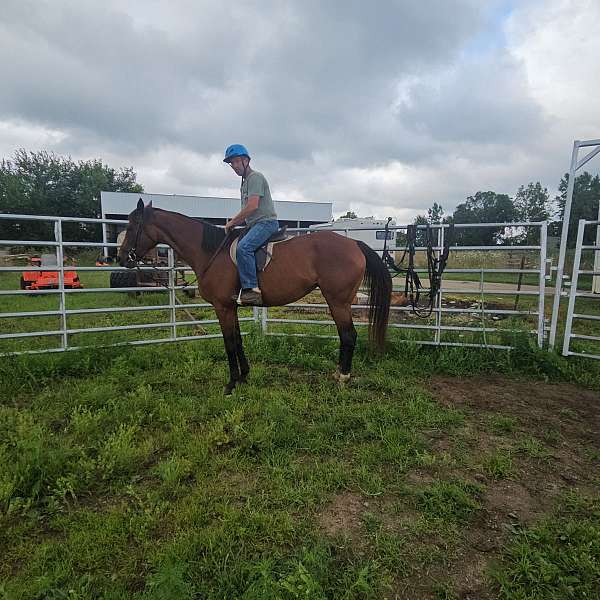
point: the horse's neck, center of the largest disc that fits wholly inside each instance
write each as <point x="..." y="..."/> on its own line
<point x="184" y="235"/>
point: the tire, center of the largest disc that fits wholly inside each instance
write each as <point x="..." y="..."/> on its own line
<point x="23" y="284"/>
<point x="123" y="279"/>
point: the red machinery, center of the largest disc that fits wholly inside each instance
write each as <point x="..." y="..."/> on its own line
<point x="47" y="280"/>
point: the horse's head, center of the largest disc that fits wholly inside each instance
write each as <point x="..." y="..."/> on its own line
<point x="138" y="241"/>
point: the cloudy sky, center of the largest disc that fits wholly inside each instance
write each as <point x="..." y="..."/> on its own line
<point x="381" y="108"/>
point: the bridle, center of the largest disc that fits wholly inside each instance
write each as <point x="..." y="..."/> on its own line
<point x="132" y="254"/>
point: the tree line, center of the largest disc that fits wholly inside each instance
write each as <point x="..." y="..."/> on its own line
<point x="531" y="203"/>
<point x="42" y="183"/>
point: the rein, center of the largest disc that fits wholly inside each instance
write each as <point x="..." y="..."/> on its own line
<point x="216" y="252"/>
<point x="435" y="266"/>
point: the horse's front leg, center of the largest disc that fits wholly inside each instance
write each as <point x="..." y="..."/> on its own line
<point x="242" y="360"/>
<point x="228" y="321"/>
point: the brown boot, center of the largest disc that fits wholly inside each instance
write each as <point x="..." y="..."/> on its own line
<point x="250" y="298"/>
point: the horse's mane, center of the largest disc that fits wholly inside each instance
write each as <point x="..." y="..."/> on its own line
<point x="212" y="235"/>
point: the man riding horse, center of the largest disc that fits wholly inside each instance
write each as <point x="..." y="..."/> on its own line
<point x="334" y="264"/>
<point x="259" y="215"/>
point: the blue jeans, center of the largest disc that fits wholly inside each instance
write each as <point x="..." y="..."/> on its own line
<point x="252" y="241"/>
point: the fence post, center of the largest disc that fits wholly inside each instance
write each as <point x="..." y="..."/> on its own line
<point x="573" y="291"/>
<point x="596" y="267"/>
<point x="519" y="282"/>
<point x="172" y="296"/>
<point x="264" y="319"/>
<point x="60" y="260"/>
<point x="564" y="234"/>
<point x="542" y="282"/>
<point x="438" y="316"/>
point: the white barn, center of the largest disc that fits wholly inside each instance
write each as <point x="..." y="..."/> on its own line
<point x="117" y="205"/>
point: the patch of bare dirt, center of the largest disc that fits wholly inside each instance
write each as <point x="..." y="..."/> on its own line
<point x="561" y="423"/>
<point x="565" y="419"/>
<point x="510" y="500"/>
<point x="538" y="406"/>
<point x="343" y="515"/>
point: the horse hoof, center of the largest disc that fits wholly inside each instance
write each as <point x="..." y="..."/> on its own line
<point x="341" y="378"/>
<point x="228" y="389"/>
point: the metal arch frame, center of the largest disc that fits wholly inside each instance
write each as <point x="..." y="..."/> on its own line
<point x="574" y="293"/>
<point x="576" y="164"/>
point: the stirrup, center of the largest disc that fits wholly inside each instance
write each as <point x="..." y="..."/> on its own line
<point x="253" y="298"/>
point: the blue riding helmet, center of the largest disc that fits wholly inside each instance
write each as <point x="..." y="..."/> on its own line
<point x="235" y="150"/>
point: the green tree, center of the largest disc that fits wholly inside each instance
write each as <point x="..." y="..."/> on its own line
<point x="42" y="183"/>
<point x="349" y="215"/>
<point x="532" y="203"/>
<point x="435" y="214"/>
<point x="483" y="207"/>
<point x="586" y="196"/>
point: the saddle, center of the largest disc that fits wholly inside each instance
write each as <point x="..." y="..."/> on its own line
<point x="264" y="254"/>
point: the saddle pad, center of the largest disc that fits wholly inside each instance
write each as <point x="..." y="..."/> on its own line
<point x="263" y="254"/>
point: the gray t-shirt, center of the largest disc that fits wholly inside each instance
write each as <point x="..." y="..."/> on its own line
<point x="257" y="185"/>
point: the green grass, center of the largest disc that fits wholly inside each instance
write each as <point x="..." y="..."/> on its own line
<point x="498" y="464"/>
<point x="125" y="473"/>
<point x="502" y="424"/>
<point x="556" y="559"/>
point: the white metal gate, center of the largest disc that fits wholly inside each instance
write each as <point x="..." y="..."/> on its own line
<point x="580" y="299"/>
<point x="440" y="327"/>
<point x="173" y="324"/>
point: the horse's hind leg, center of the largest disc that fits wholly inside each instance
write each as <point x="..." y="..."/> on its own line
<point x="342" y="315"/>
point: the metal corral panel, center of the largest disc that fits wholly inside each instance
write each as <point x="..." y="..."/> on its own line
<point x="122" y="203"/>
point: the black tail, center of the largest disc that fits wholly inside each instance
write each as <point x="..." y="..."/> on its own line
<point x="379" y="282"/>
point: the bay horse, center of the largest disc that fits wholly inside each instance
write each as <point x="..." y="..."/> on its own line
<point x="333" y="263"/>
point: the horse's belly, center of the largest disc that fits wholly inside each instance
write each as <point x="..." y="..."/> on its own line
<point x="281" y="284"/>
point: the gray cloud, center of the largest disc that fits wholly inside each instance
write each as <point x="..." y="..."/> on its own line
<point x="481" y="102"/>
<point x="383" y="107"/>
<point x="292" y="78"/>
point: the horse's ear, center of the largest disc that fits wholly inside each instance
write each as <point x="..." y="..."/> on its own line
<point x="140" y="205"/>
<point x="149" y="205"/>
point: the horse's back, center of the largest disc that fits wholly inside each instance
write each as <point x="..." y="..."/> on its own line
<point x="318" y="255"/>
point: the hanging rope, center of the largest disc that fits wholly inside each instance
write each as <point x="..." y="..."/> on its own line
<point x="435" y="267"/>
